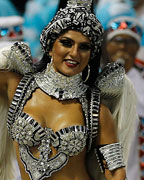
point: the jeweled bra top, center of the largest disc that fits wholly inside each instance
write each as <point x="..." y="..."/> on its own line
<point x="27" y="132"/>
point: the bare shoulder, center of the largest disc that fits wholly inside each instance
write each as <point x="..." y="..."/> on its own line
<point x="7" y="76"/>
<point x="8" y="82"/>
<point x="13" y="76"/>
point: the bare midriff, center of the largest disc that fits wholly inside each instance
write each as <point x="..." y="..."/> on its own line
<point x="75" y="169"/>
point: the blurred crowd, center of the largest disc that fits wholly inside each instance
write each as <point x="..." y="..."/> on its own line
<point x="123" y="22"/>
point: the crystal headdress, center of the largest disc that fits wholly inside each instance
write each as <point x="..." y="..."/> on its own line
<point x="76" y="16"/>
<point x="82" y="3"/>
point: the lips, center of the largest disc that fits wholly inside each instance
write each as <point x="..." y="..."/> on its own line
<point x="71" y="63"/>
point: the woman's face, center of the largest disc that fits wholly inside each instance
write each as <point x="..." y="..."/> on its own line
<point x="71" y="53"/>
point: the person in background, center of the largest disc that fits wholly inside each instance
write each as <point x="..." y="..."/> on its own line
<point x="122" y="40"/>
<point x="138" y="5"/>
<point x="11" y="29"/>
<point x="106" y="10"/>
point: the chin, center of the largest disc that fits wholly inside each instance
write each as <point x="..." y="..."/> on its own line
<point x="68" y="73"/>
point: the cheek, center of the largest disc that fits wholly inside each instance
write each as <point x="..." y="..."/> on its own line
<point x="58" y="51"/>
<point x="133" y="51"/>
<point x="110" y="49"/>
<point x="58" y="54"/>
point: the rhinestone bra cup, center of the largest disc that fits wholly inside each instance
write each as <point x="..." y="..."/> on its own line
<point x="27" y="132"/>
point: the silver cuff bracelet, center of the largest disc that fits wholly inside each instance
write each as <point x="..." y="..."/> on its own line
<point x="113" y="155"/>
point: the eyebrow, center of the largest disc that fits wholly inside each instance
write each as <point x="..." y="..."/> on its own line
<point x="65" y="37"/>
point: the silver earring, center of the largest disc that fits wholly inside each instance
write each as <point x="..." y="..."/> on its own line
<point x="51" y="59"/>
<point x="88" y="73"/>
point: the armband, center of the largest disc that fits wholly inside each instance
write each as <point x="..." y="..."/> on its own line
<point x="112" y="154"/>
<point x="17" y="58"/>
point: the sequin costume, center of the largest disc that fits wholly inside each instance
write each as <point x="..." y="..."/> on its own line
<point x="69" y="141"/>
<point x="28" y="133"/>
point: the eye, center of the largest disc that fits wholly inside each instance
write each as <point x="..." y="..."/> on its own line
<point x="66" y="42"/>
<point x="85" y="47"/>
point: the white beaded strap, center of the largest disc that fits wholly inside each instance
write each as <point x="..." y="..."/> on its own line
<point x="113" y="155"/>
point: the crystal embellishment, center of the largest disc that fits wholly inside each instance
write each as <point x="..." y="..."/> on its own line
<point x="83" y="3"/>
<point x="68" y="142"/>
<point x="60" y="86"/>
<point x="20" y="59"/>
<point x="27" y="131"/>
<point x="39" y="170"/>
<point x="111" y="80"/>
<point x="113" y="155"/>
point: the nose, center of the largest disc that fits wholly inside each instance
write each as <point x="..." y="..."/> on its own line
<point x="122" y="45"/>
<point x="74" y="51"/>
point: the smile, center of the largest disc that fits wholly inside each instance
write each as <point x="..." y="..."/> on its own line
<point x="71" y="63"/>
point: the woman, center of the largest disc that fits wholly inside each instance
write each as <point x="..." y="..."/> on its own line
<point x="55" y="117"/>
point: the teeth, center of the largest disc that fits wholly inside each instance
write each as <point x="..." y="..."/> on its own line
<point x="72" y="62"/>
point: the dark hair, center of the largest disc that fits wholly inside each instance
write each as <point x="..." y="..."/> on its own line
<point x="94" y="70"/>
<point x="41" y="65"/>
<point x="104" y="57"/>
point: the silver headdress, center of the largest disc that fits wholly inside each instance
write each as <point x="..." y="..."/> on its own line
<point x="82" y="3"/>
<point x="76" y="16"/>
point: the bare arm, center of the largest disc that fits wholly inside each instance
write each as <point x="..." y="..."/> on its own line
<point x="3" y="84"/>
<point x="108" y="135"/>
<point x="8" y="84"/>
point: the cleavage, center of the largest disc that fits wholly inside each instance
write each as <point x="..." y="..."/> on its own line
<point x="52" y="113"/>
